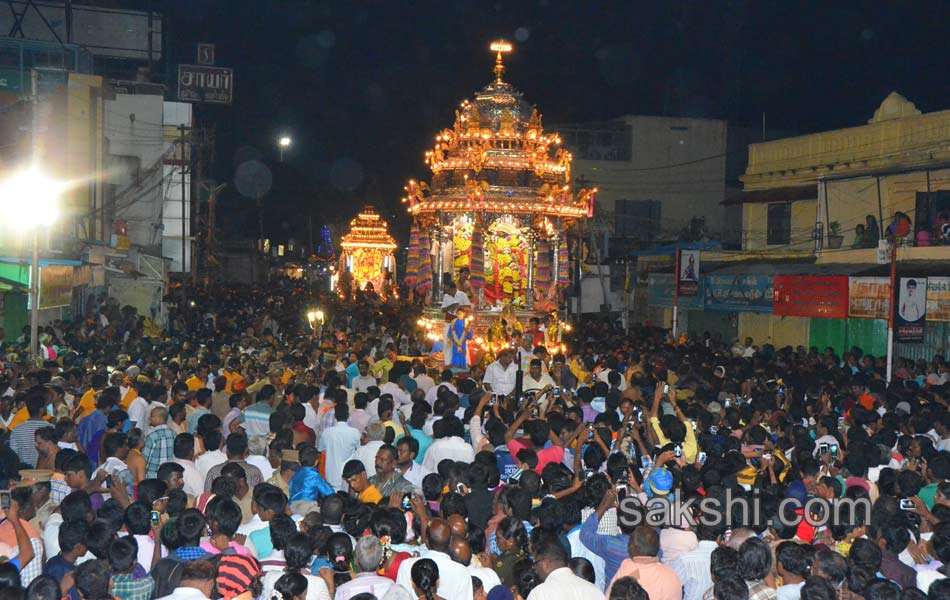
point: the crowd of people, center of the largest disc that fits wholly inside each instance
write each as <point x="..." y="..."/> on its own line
<point x="246" y="453"/>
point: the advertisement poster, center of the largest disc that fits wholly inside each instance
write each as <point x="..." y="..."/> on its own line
<point x="938" y="299"/>
<point x="911" y="309"/>
<point x="824" y="297"/>
<point x="869" y="297"/>
<point x="689" y="273"/>
<point x="738" y="293"/>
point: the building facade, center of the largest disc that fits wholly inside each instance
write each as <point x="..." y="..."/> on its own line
<point x="815" y="210"/>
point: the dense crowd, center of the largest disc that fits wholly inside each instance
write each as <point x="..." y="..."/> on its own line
<point x="244" y="452"/>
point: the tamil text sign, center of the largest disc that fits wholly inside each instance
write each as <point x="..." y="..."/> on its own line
<point x="938" y="299"/>
<point x="811" y="296"/>
<point x="738" y="293"/>
<point x="198" y="83"/>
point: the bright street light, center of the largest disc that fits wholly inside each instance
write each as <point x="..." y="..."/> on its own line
<point x="283" y="143"/>
<point x="30" y="199"/>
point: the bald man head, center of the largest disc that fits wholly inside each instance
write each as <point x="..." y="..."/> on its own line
<point x="438" y="535"/>
<point x="460" y="551"/>
<point x="458" y="525"/>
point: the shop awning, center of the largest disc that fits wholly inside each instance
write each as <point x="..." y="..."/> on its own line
<point x="791" y="267"/>
<point x="785" y="194"/>
<point x="44" y="262"/>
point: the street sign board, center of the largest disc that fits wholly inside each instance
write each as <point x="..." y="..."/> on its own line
<point x="206" y="54"/>
<point x="199" y="83"/>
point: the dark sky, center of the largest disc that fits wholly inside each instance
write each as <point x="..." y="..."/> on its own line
<point x="363" y="86"/>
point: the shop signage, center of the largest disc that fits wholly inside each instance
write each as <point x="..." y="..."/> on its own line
<point x="869" y="297"/>
<point x="738" y="293"/>
<point x="824" y="297"/>
<point x="938" y="299"/>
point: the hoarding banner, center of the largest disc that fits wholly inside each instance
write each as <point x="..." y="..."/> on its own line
<point x="738" y="293"/>
<point x="56" y="286"/>
<point x="869" y="297"/>
<point x="938" y="299"/>
<point x="825" y="297"/>
<point x="911" y="309"/>
<point x="660" y="293"/>
<point x="688" y="281"/>
<point x="199" y="83"/>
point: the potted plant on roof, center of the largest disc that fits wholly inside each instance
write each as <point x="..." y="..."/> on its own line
<point x="835" y="239"/>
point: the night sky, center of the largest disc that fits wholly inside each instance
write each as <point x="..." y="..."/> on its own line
<point x="363" y="86"/>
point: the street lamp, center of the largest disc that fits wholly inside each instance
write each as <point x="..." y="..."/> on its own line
<point x="283" y="143"/>
<point x="316" y="316"/>
<point x="30" y="200"/>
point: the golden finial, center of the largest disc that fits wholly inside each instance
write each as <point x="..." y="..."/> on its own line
<point x="500" y="46"/>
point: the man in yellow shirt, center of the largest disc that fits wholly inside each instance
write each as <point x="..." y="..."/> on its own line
<point x="199" y="379"/>
<point x="354" y="474"/>
<point x="88" y="402"/>
<point x="232" y="375"/>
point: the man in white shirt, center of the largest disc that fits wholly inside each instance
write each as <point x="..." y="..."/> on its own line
<point x="445" y="380"/>
<point x="423" y="381"/>
<point x="449" y="432"/>
<point x="455" y="582"/>
<point x="407" y="448"/>
<point x="604" y="374"/>
<point x="138" y="408"/>
<point x="184" y="449"/>
<point x="536" y="378"/>
<point x="693" y="566"/>
<point x="339" y="442"/>
<point x="364" y="380"/>
<point x="398" y="391"/>
<point x="213" y="455"/>
<point x="500" y="375"/>
<point x="560" y="583"/>
<point x="371" y="441"/>
<point x="197" y="582"/>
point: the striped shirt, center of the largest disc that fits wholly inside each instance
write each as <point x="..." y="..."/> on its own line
<point x="613" y="548"/>
<point x="159" y="448"/>
<point x="693" y="570"/>
<point x="257" y="419"/>
<point x="23" y="442"/>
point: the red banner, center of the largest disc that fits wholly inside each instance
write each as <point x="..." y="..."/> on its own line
<point x="807" y="296"/>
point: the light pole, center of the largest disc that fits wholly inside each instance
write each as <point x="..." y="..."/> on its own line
<point x="283" y="143"/>
<point x="30" y="200"/>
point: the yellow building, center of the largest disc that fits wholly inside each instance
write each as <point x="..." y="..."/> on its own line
<point x="806" y="200"/>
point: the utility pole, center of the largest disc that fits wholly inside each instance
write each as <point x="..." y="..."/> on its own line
<point x="209" y="237"/>
<point x="197" y="161"/>
<point x="184" y="237"/>
<point x="260" y="223"/>
<point x="890" y="314"/>
<point x="676" y="292"/>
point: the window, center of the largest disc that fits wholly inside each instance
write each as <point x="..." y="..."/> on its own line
<point x="638" y="219"/>
<point x="779" y="228"/>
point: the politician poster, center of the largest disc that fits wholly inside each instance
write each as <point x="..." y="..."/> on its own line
<point x="688" y="278"/>
<point x="911" y="309"/>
